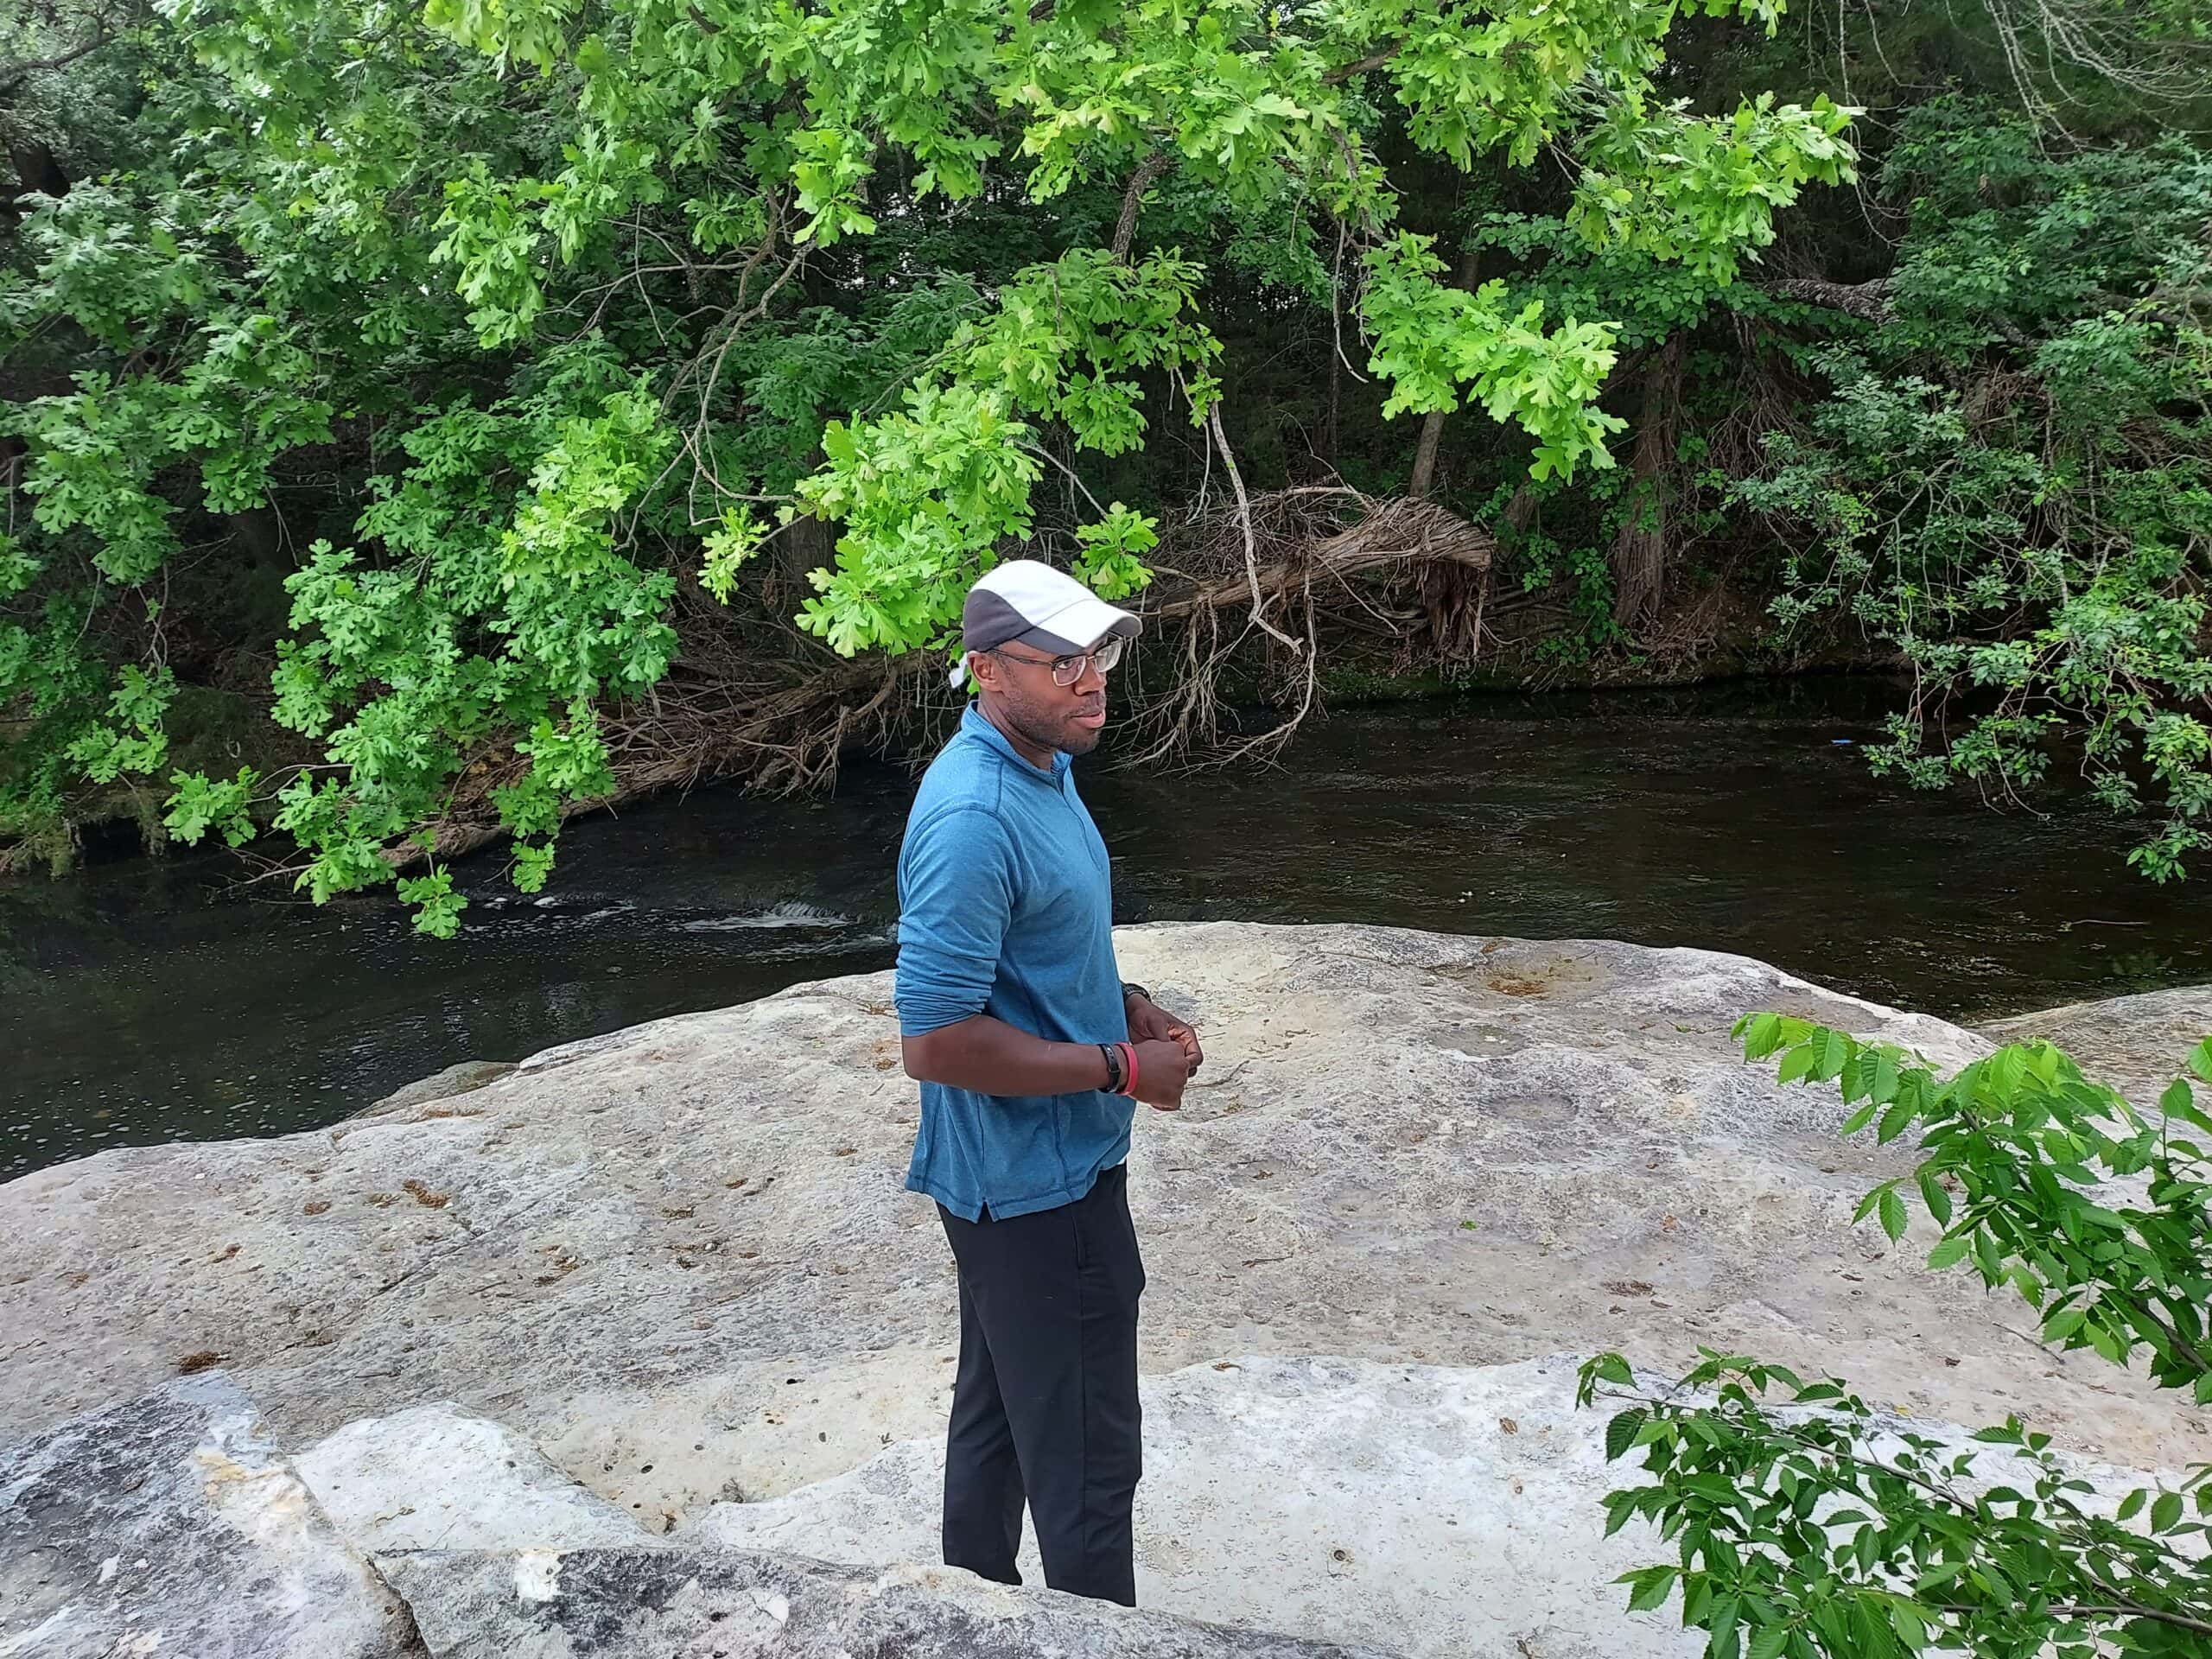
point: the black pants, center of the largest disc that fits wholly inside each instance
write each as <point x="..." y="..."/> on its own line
<point x="1045" y="1404"/>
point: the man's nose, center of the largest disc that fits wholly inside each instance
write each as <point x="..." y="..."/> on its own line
<point x="1093" y="678"/>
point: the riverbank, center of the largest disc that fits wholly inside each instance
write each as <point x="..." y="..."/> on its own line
<point x="678" y="1260"/>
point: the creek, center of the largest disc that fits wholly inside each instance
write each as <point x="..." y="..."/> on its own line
<point x="158" y="999"/>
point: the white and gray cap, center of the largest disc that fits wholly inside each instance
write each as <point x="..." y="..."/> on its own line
<point x="1023" y="602"/>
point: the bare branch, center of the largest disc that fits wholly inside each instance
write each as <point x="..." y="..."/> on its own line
<point x="1244" y="517"/>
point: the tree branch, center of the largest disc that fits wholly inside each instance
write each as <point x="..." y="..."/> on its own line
<point x="13" y="77"/>
<point x="2075" y="1610"/>
<point x="1344" y="71"/>
<point x="1866" y="301"/>
<point x="1244" y="519"/>
<point x="1125" y="231"/>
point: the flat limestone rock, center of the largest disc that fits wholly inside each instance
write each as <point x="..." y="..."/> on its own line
<point x="734" y="1605"/>
<point x="1454" y="1514"/>
<point x="465" y="1077"/>
<point x="680" y="1257"/>
<point x="169" y="1525"/>
<point x="2136" y="1043"/>
<point x="431" y="1479"/>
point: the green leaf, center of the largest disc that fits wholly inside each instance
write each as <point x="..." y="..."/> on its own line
<point x="2200" y="1060"/>
<point x="2165" y="1514"/>
<point x="1761" y="1034"/>
<point x="1767" y="1641"/>
<point x="1949" y="1253"/>
<point x="1933" y="1194"/>
<point x="1883" y="1086"/>
<point x="1797" y="1064"/>
<point x="1899" y="1117"/>
<point x="1937" y="1576"/>
<point x="1893" y="1213"/>
<point x="1650" y="1586"/>
<point x="2132" y="1505"/>
<point x="2063" y="1323"/>
<point x="1621" y="1431"/>
<point x="2178" y="1099"/>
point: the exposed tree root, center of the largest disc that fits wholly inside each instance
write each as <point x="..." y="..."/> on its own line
<point x="1323" y="562"/>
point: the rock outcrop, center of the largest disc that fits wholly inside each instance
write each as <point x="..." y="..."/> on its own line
<point x="1452" y="1514"/>
<point x="680" y="1258"/>
<point x="464" y="1078"/>
<point x="689" y="1340"/>
<point x="650" y="1604"/>
<point x="170" y="1525"/>
<point x="2136" y="1043"/>
<point x="428" y="1477"/>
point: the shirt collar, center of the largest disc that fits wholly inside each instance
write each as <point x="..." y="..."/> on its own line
<point x="973" y="721"/>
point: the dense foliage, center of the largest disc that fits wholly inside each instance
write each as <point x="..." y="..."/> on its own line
<point x="2012" y="479"/>
<point x="407" y="406"/>
<point x="1819" y="1527"/>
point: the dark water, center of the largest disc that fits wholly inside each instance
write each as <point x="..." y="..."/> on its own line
<point x="144" y="1001"/>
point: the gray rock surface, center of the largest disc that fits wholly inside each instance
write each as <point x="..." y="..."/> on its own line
<point x="169" y="1525"/>
<point x="465" y="1077"/>
<point x="430" y="1478"/>
<point x="732" y="1604"/>
<point x="680" y="1258"/>
<point x="2136" y="1043"/>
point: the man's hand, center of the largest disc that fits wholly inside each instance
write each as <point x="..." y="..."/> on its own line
<point x="1163" y="1070"/>
<point x="1150" y="1023"/>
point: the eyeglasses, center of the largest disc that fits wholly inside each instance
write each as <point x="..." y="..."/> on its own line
<point x="1067" y="670"/>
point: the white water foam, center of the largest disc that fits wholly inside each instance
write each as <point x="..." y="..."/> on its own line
<point x="790" y="913"/>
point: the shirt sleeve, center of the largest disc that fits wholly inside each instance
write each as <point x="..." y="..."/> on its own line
<point x="956" y="896"/>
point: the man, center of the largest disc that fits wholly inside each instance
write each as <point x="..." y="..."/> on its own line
<point x="1030" y="1049"/>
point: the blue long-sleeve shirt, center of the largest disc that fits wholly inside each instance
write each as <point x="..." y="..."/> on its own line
<point x="1006" y="908"/>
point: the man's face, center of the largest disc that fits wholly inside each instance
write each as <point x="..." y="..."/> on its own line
<point x="1069" y="718"/>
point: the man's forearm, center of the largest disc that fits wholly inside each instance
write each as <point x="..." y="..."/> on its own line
<point x="989" y="1056"/>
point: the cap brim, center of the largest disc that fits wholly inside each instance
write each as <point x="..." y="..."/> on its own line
<point x="1080" y="625"/>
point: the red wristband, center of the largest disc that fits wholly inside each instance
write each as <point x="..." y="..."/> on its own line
<point x="1129" y="1084"/>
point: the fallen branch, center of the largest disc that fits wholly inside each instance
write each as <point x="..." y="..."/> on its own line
<point x="782" y="726"/>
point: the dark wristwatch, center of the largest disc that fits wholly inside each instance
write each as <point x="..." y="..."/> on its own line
<point x="1129" y="990"/>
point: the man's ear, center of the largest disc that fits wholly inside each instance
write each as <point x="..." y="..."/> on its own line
<point x="984" y="668"/>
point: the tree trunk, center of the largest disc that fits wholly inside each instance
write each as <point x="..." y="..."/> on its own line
<point x="1432" y="425"/>
<point x="1640" y="549"/>
<point x="1432" y="436"/>
<point x="40" y="173"/>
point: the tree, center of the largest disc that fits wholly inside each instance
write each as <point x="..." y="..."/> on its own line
<point x="1815" y="1527"/>
<point x="2013" y="482"/>
<point x="621" y="300"/>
